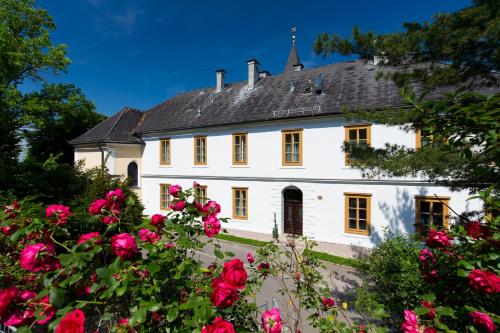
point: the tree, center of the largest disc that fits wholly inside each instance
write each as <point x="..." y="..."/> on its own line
<point x="54" y="115"/>
<point x="460" y="49"/>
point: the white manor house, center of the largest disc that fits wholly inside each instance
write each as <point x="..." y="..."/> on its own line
<point x="270" y="149"/>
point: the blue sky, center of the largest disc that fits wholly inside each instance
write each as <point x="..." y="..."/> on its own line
<point x="140" y="53"/>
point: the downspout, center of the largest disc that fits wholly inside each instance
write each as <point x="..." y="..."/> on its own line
<point x="102" y="155"/>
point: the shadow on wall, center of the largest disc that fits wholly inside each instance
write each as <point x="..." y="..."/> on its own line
<point x="400" y="217"/>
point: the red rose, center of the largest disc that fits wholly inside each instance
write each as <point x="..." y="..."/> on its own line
<point x="432" y="312"/>
<point x="158" y="220"/>
<point x="57" y="214"/>
<point x="211" y="225"/>
<point x="97" y="207"/>
<point x="473" y="229"/>
<point x="124" y="246"/>
<point x="6" y="297"/>
<point x="117" y="195"/>
<point x="73" y="322"/>
<point x="178" y="205"/>
<point x="174" y="190"/>
<point x="48" y="310"/>
<point x="8" y="230"/>
<point x="271" y="321"/>
<point x="12" y="209"/>
<point x="219" y="326"/>
<point x="484" y="281"/>
<point x="223" y="295"/>
<point x="430" y="330"/>
<point x="149" y="236"/>
<point x="327" y="301"/>
<point x="211" y="207"/>
<point x="425" y="256"/>
<point x="438" y="239"/>
<point x="250" y="258"/>
<point x="116" y="208"/>
<point x="37" y="257"/>
<point x="482" y="320"/>
<point x="91" y="236"/>
<point x="234" y="273"/>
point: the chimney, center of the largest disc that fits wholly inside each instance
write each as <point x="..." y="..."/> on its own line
<point x="253" y="72"/>
<point x="264" y="74"/>
<point x="219" y="75"/>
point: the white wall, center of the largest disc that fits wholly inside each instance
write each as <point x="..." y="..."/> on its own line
<point x="323" y="173"/>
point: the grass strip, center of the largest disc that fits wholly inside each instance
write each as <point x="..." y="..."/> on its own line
<point x="320" y="255"/>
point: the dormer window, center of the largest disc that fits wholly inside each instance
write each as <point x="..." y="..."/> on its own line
<point x="307" y="91"/>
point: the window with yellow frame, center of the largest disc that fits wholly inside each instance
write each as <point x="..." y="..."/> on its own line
<point x="164" y="197"/>
<point x="240" y="148"/>
<point x="200" y="150"/>
<point x="431" y="212"/>
<point x="240" y="203"/>
<point x="356" y="135"/>
<point x="291" y="147"/>
<point x="423" y="138"/>
<point x="357" y="213"/>
<point x="165" y="152"/>
<point x="200" y="194"/>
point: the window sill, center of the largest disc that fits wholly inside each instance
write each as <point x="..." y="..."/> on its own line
<point x="291" y="167"/>
<point x="236" y="166"/>
<point x="164" y="166"/>
<point x="200" y="166"/>
<point x="353" y="235"/>
<point x="239" y="220"/>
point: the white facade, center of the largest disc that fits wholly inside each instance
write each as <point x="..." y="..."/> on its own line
<point x="323" y="178"/>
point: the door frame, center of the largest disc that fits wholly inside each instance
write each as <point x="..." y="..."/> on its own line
<point x="284" y="203"/>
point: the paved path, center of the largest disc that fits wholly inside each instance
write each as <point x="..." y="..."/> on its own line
<point x="343" y="280"/>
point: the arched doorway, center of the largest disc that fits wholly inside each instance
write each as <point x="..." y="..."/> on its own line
<point x="132" y="174"/>
<point x="292" y="198"/>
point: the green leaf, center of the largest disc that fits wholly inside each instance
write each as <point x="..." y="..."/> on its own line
<point x="445" y="311"/>
<point x="121" y="291"/>
<point x="154" y="268"/>
<point x="218" y="254"/>
<point x="421" y="311"/>
<point x="172" y="314"/>
<point x="429" y="297"/>
<point x="138" y="317"/>
<point x="462" y="273"/>
<point x="57" y="297"/>
<point x="24" y="329"/>
<point x="229" y="254"/>
<point x="467" y="265"/>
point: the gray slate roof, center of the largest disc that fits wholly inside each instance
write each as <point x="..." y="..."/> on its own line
<point x="348" y="84"/>
<point x="293" y="60"/>
<point x="117" y="129"/>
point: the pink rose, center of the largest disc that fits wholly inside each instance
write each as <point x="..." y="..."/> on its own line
<point x="175" y="190"/>
<point x="430" y="330"/>
<point x="57" y="214"/>
<point x="97" y="207"/>
<point x="169" y="245"/>
<point x="271" y="321"/>
<point x="116" y="195"/>
<point x="482" y="320"/>
<point x="109" y="219"/>
<point x="48" y="310"/>
<point x="116" y="207"/>
<point x="211" y="208"/>
<point x="196" y="184"/>
<point x="484" y="281"/>
<point x="410" y="323"/>
<point x="425" y="256"/>
<point x="6" y="297"/>
<point x="211" y="225"/>
<point x="264" y="267"/>
<point x="223" y="295"/>
<point x="124" y="246"/>
<point x="12" y="209"/>
<point x="148" y="236"/>
<point x="234" y="273"/>
<point x="473" y="229"/>
<point x="250" y="258"/>
<point x="328" y="301"/>
<point x="178" y="205"/>
<point x="37" y="257"/>
<point x="91" y="236"/>
<point x="158" y="220"/>
<point x="437" y="239"/>
<point x="219" y="326"/>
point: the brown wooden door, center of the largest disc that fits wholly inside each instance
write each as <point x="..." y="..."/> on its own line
<point x="293" y="212"/>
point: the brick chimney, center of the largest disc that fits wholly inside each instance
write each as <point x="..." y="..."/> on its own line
<point x="219" y="76"/>
<point x="253" y="72"/>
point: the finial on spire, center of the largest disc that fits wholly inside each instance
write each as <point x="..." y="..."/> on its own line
<point x="294" y="30"/>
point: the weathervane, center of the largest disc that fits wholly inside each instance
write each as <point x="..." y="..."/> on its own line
<point x="294" y="30"/>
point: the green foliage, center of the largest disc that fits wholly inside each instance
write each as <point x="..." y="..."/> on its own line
<point x="467" y="40"/>
<point x="392" y="277"/>
<point x="458" y="49"/>
<point x="241" y="240"/>
<point x="336" y="259"/>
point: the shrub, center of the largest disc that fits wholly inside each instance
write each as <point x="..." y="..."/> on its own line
<point x="392" y="275"/>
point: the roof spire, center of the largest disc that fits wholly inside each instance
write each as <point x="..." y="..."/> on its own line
<point x="293" y="57"/>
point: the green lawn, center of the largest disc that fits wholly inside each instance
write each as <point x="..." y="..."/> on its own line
<point x="320" y="255"/>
